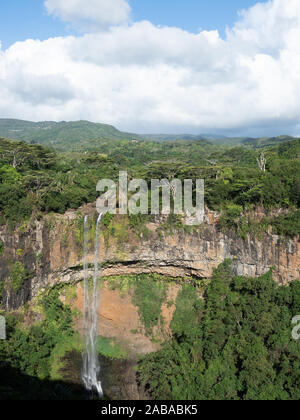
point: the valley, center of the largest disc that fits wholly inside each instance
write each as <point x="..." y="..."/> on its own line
<point x="179" y="306"/>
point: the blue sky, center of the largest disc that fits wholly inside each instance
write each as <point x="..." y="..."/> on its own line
<point x="23" y="19"/>
<point x="190" y="14"/>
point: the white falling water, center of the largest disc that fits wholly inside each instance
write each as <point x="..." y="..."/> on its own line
<point x="91" y="366"/>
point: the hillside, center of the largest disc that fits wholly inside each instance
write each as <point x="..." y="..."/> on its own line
<point x="253" y="143"/>
<point x="61" y="135"/>
<point x="175" y="137"/>
<point x="82" y="136"/>
<point x="266" y="141"/>
<point x="218" y="140"/>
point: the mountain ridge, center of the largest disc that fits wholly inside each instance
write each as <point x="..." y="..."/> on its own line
<point x="63" y="134"/>
<point x="54" y="133"/>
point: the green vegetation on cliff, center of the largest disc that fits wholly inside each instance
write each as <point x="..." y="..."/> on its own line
<point x="235" y="344"/>
<point x="18" y="275"/>
<point x="148" y="293"/>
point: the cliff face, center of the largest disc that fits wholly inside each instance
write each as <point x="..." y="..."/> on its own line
<point x="119" y="318"/>
<point x="50" y="252"/>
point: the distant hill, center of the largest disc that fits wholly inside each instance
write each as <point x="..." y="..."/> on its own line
<point x="253" y="143"/>
<point x="175" y="137"/>
<point x="219" y="140"/>
<point x="229" y="141"/>
<point x="266" y="141"/>
<point x="61" y="135"/>
<point x="88" y="136"/>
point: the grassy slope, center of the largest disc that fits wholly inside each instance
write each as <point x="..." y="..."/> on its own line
<point x="61" y="135"/>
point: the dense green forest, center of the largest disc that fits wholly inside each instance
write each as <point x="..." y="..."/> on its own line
<point x="235" y="344"/>
<point x="36" y="179"/>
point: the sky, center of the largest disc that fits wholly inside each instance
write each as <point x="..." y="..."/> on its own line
<point x="173" y="66"/>
<point x="20" y="20"/>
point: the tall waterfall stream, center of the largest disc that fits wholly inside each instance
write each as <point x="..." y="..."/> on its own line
<point x="91" y="366"/>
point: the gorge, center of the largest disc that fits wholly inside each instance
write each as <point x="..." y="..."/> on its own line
<point x="63" y="251"/>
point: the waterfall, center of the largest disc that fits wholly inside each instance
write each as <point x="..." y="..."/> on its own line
<point x="91" y="366"/>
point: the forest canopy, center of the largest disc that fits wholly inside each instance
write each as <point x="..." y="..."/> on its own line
<point x="36" y="179"/>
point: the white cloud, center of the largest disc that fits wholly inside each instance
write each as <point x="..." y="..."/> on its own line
<point x="90" y="14"/>
<point x="146" y="78"/>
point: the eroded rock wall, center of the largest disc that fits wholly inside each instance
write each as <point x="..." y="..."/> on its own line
<point x="51" y="251"/>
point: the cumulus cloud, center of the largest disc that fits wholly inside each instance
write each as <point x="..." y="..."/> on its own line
<point x="144" y="44"/>
<point x="144" y="78"/>
<point x="90" y="14"/>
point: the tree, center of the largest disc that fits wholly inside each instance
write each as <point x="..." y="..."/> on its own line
<point x="262" y="162"/>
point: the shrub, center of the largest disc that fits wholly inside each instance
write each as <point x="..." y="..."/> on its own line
<point x="149" y="295"/>
<point x="19" y="275"/>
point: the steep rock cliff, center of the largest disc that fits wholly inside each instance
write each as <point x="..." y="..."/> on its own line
<point x="50" y="252"/>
